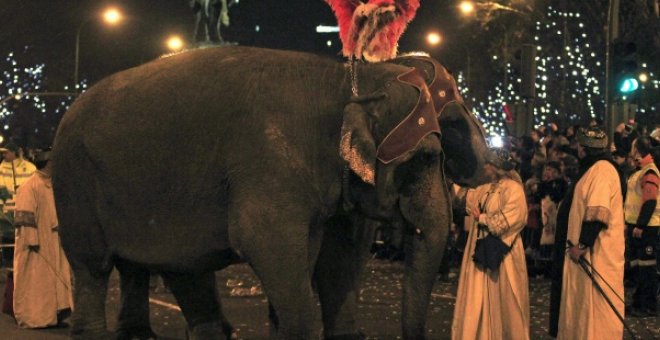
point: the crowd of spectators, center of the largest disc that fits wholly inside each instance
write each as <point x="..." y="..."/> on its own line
<point x="548" y="164"/>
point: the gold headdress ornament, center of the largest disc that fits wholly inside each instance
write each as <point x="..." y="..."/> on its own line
<point x="592" y="137"/>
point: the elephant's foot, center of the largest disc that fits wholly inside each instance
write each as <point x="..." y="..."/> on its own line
<point x="88" y="317"/>
<point x="356" y="336"/>
<point x="92" y="330"/>
<point x="212" y="330"/>
<point x="135" y="334"/>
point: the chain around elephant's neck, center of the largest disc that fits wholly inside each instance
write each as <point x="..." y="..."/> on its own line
<point x="352" y="69"/>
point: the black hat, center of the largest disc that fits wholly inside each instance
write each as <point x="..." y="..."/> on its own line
<point x="500" y="158"/>
<point x="10" y="146"/>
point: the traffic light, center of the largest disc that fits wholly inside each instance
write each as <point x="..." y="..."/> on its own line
<point x="626" y="68"/>
<point x="628" y="84"/>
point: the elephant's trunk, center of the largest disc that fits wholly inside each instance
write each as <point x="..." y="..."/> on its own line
<point x="428" y="212"/>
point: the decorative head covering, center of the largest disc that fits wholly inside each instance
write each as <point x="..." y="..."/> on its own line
<point x="372" y="30"/>
<point x="500" y="158"/>
<point x="592" y="137"/>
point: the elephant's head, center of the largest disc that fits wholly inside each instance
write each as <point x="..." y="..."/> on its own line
<point x="385" y="128"/>
<point x="463" y="137"/>
<point x="391" y="143"/>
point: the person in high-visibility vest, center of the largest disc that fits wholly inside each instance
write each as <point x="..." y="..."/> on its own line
<point x="642" y="214"/>
<point x="14" y="171"/>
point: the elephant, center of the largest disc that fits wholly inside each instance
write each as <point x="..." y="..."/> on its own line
<point x="282" y="158"/>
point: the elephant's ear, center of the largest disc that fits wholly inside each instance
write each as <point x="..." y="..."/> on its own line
<point x="357" y="146"/>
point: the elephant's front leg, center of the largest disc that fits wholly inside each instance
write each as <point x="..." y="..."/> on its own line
<point x="343" y="255"/>
<point x="277" y="248"/>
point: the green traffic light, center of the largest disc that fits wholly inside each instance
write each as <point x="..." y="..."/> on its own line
<point x="629" y="85"/>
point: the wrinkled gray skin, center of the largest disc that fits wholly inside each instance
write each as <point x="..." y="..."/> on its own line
<point x="176" y="164"/>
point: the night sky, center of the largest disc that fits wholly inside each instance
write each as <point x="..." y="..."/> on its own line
<point x="48" y="28"/>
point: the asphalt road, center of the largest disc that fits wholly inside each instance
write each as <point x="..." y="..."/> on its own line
<point x="245" y="305"/>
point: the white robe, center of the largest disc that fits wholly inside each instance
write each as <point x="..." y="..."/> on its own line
<point x="495" y="305"/>
<point x="42" y="280"/>
<point x="584" y="313"/>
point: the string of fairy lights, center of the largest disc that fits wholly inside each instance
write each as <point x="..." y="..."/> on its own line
<point x="577" y="68"/>
<point x="17" y="80"/>
<point x="569" y="77"/>
<point x="21" y="86"/>
<point x="569" y="80"/>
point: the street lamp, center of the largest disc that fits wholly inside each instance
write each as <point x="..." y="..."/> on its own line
<point x="111" y="16"/>
<point x="174" y="43"/>
<point x="466" y="7"/>
<point x="469" y="8"/>
<point x="433" y="38"/>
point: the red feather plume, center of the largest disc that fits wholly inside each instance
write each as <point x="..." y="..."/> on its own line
<point x="372" y="30"/>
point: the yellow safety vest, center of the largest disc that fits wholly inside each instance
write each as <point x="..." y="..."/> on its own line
<point x="13" y="175"/>
<point x="634" y="197"/>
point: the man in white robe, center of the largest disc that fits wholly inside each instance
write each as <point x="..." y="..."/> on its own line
<point x="42" y="276"/>
<point x="596" y="231"/>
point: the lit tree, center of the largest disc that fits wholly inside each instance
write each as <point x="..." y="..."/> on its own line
<point x="18" y="79"/>
<point x="570" y="64"/>
<point x="506" y="24"/>
<point x="490" y="111"/>
<point x="26" y="113"/>
<point x="570" y="72"/>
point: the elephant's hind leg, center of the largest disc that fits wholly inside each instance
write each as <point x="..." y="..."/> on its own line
<point x="89" y="294"/>
<point x="133" y="320"/>
<point x="83" y="241"/>
<point x="198" y="298"/>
